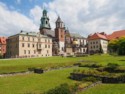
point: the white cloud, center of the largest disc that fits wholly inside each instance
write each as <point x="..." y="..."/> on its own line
<point x="89" y="16"/>
<point x="11" y="22"/>
<point x="80" y="16"/>
<point x="36" y="14"/>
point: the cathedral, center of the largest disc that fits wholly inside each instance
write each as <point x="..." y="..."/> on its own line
<point x="46" y="42"/>
<point x="64" y="42"/>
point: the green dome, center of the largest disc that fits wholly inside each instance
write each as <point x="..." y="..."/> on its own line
<point x="44" y="11"/>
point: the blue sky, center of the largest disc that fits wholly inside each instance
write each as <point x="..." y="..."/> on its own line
<point x="23" y="6"/>
<point x="80" y="16"/>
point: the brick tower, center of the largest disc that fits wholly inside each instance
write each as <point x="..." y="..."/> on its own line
<point x="60" y="35"/>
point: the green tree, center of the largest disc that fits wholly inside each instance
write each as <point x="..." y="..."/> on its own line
<point x="113" y="46"/>
<point x="121" y="46"/>
<point x="117" y="46"/>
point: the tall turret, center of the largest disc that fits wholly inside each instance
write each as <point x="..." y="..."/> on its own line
<point x="60" y="34"/>
<point x="45" y="25"/>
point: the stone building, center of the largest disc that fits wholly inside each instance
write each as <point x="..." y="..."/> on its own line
<point x="97" y="43"/>
<point x="3" y="46"/>
<point x="63" y="40"/>
<point x="29" y="44"/>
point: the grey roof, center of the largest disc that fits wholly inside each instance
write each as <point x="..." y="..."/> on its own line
<point x="35" y="34"/>
<point x="76" y="35"/>
<point x="59" y="19"/>
<point x="50" y="33"/>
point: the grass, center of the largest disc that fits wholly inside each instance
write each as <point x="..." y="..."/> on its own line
<point x="38" y="83"/>
<point x="106" y="89"/>
<point x="34" y="83"/>
<point x="18" y="65"/>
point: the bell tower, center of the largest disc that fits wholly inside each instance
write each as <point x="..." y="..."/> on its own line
<point x="45" y="25"/>
<point x="60" y="34"/>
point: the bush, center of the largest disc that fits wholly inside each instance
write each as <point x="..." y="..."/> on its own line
<point x="62" y="89"/>
<point x="90" y="79"/>
<point x="91" y="65"/>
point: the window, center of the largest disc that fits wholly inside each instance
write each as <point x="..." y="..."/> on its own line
<point x="29" y="51"/>
<point x="39" y="45"/>
<point x="39" y="52"/>
<point x="28" y="38"/>
<point x="33" y="45"/>
<point x="62" y="48"/>
<point x="45" y="40"/>
<point x="28" y="45"/>
<point x="46" y="22"/>
<point x="48" y="41"/>
<point x="34" y="52"/>
<point x="45" y="46"/>
<point x="24" y="51"/>
<point x="39" y="39"/>
<point x="22" y="44"/>
<point x="48" y="46"/>
<point x="22" y="38"/>
<point x="47" y="51"/>
<point x="33" y="39"/>
<point x="83" y="50"/>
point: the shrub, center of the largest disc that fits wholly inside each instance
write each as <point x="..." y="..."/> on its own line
<point x="91" y="65"/>
<point x="62" y="89"/>
<point x="90" y="79"/>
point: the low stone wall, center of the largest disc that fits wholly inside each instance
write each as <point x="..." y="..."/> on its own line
<point x="80" y="76"/>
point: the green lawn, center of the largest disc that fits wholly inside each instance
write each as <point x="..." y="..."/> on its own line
<point x="37" y="83"/>
<point x="18" y="65"/>
<point x="106" y="89"/>
<point x="34" y="83"/>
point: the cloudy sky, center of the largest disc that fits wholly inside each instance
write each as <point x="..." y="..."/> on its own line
<point x="80" y="16"/>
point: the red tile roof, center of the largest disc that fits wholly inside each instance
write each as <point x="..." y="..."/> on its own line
<point x="97" y="36"/>
<point x="116" y="34"/>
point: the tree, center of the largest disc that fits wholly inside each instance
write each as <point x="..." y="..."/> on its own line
<point x="117" y="46"/>
<point x="1" y="56"/>
<point x="113" y="46"/>
<point x="121" y="48"/>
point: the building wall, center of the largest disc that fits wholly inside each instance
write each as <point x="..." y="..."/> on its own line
<point x="29" y="46"/>
<point x="94" y="45"/>
<point x="61" y="46"/>
<point x="2" y="45"/>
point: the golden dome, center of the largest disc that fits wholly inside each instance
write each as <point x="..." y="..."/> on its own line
<point x="75" y="42"/>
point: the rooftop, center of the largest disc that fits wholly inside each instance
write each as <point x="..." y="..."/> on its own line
<point x="116" y="34"/>
<point x="35" y="34"/>
<point x="97" y="36"/>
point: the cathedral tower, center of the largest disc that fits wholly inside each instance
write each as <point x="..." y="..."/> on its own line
<point x="60" y="34"/>
<point x="45" y="25"/>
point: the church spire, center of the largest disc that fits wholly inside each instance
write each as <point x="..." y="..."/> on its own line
<point x="45" y="21"/>
<point x="59" y="23"/>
